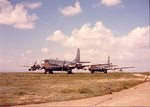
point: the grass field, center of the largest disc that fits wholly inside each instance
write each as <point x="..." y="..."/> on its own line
<point x="28" y="88"/>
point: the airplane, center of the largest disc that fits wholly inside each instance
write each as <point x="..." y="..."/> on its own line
<point x="105" y="67"/>
<point x="50" y="65"/>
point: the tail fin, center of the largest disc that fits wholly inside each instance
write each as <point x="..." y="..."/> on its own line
<point x="77" y="59"/>
<point x="108" y="62"/>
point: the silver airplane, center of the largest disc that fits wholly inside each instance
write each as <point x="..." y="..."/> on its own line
<point x="50" y="65"/>
<point x="105" y="67"/>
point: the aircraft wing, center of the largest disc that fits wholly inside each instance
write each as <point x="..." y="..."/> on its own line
<point x="24" y="65"/>
<point x="124" y="67"/>
<point x="84" y="62"/>
<point x="80" y="66"/>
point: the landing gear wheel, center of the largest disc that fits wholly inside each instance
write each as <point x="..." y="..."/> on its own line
<point x="45" y="71"/>
<point x="92" y="72"/>
<point x="50" y="72"/>
<point x="105" y="71"/>
<point x="69" y="72"/>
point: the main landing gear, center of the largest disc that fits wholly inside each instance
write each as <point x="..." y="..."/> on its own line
<point x="48" y="71"/>
<point x="69" y="72"/>
<point x="51" y="72"/>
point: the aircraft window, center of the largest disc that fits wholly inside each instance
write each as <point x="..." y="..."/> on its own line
<point x="46" y="61"/>
<point x="42" y="62"/>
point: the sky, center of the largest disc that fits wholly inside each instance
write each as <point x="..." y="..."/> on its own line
<point x="32" y="30"/>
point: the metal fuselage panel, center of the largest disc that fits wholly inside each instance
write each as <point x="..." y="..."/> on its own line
<point x="100" y="68"/>
<point x="56" y="65"/>
<point x="97" y="69"/>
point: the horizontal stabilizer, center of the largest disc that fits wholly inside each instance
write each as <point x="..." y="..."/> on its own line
<point x="84" y="62"/>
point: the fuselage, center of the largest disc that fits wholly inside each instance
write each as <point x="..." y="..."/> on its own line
<point x="57" y="65"/>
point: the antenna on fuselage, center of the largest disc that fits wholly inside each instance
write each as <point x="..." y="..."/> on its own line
<point x="63" y="65"/>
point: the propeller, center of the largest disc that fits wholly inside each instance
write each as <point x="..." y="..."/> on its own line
<point x="69" y="66"/>
<point x="24" y="66"/>
<point x="78" y="66"/>
<point x="63" y="66"/>
<point x="34" y="64"/>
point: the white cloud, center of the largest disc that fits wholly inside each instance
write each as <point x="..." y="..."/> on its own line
<point x="33" y="5"/>
<point x="44" y="50"/>
<point x="57" y="36"/>
<point x="71" y="10"/>
<point x="29" y="51"/>
<point x="22" y="54"/>
<point x="110" y="3"/>
<point x="98" y="42"/>
<point x="18" y="15"/>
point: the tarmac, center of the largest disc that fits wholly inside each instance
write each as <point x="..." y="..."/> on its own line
<point x="135" y="96"/>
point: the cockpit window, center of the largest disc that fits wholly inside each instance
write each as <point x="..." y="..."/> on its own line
<point x="42" y="62"/>
<point x="46" y="61"/>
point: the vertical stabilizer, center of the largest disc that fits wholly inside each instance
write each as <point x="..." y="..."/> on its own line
<point x="108" y="62"/>
<point x="77" y="59"/>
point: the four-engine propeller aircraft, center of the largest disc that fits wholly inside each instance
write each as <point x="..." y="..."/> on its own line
<point x="105" y="67"/>
<point x="50" y="65"/>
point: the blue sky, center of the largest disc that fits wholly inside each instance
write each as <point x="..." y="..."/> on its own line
<point x="35" y="29"/>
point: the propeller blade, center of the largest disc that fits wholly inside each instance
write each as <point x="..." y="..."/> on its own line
<point x="63" y="65"/>
<point x="35" y="63"/>
<point x="24" y="66"/>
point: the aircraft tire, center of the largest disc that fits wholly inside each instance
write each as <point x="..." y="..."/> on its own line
<point x="29" y="69"/>
<point x="69" y="72"/>
<point x="50" y="72"/>
<point x="92" y="72"/>
<point x="105" y="71"/>
<point x="45" y="71"/>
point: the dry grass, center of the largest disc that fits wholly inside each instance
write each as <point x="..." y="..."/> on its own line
<point x="146" y="73"/>
<point x="27" y="88"/>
